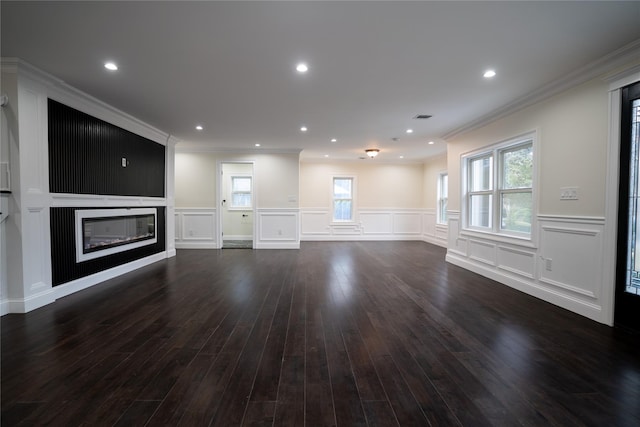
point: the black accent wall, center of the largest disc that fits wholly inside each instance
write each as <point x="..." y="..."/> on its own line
<point x="85" y="157"/>
<point x="63" y="247"/>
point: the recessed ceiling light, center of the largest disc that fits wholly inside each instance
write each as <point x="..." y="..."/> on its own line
<point x="334" y="140"/>
<point x="199" y="127"/>
<point x="489" y="73"/>
<point x="326" y="155"/>
<point x="111" y="66"/>
<point x="402" y="157"/>
<point x="431" y="142"/>
<point x="302" y="67"/>
<point x="303" y="129"/>
<point x="409" y="130"/>
<point x="257" y="145"/>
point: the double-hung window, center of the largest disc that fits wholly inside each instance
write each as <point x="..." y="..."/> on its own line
<point x="443" y="193"/>
<point x="499" y="182"/>
<point x="343" y="199"/>
<point x="241" y="192"/>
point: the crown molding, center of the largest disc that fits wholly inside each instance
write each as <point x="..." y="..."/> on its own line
<point x="606" y="64"/>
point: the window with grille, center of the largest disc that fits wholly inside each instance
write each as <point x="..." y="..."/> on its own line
<point x="499" y="188"/>
<point x="443" y="194"/>
<point x="343" y="198"/>
<point x="241" y="192"/>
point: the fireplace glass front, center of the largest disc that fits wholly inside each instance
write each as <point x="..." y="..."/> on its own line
<point x="107" y="231"/>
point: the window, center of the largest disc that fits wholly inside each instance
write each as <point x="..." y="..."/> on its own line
<point x="443" y="193"/>
<point x="499" y="182"/>
<point x="343" y="199"/>
<point x="240" y="192"/>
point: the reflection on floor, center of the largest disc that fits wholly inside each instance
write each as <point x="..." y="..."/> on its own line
<point x="237" y="244"/>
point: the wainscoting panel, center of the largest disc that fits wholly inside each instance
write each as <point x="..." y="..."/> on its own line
<point x="572" y="257"/>
<point x="482" y="251"/>
<point x="564" y="268"/>
<point x="277" y="229"/>
<point x="374" y="223"/>
<point x="196" y="228"/>
<point x="407" y="223"/>
<point x="429" y="224"/>
<point x="456" y="243"/>
<point x="315" y="223"/>
<point x="517" y="261"/>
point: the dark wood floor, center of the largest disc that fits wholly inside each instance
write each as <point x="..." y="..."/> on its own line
<point x="349" y="334"/>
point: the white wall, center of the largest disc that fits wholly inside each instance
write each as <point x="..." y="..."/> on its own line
<point x="276" y="195"/>
<point x="563" y="264"/>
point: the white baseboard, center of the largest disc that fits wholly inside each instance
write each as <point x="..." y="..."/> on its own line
<point x="197" y="245"/>
<point x="28" y="304"/>
<point x="434" y="241"/>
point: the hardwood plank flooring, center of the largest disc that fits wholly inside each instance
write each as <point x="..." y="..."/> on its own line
<point x="333" y="334"/>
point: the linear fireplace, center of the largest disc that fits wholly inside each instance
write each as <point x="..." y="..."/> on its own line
<point x="101" y="232"/>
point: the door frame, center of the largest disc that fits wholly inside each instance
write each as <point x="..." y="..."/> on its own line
<point x="616" y="83"/>
<point x="219" y="186"/>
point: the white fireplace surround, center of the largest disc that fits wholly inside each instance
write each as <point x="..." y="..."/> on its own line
<point x="82" y="214"/>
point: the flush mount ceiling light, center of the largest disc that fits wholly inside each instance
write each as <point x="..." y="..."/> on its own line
<point x="303" y="129"/>
<point x="110" y="66"/>
<point x="302" y="68"/>
<point x="489" y="74"/>
<point x="334" y="140"/>
<point x="372" y="152"/>
<point x="431" y="142"/>
<point x="199" y="127"/>
<point x="409" y="130"/>
<point x="257" y="145"/>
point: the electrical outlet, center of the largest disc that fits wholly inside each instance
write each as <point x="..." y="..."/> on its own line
<point x="124" y="162"/>
<point x="569" y="193"/>
<point x="548" y="264"/>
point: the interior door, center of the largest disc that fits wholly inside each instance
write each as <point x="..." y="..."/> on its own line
<point x="627" y="306"/>
<point x="237" y="210"/>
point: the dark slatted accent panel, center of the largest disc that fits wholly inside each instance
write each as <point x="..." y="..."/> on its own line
<point x="63" y="248"/>
<point x="85" y="157"/>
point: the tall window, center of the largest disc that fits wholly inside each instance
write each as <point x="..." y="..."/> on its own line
<point x="443" y="193"/>
<point x="343" y="199"/>
<point x="500" y="188"/>
<point x="240" y="192"/>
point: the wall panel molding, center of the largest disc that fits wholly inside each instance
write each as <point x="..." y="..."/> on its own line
<point x="373" y="224"/>
<point x="277" y="228"/>
<point x="565" y="268"/>
<point x="196" y="228"/>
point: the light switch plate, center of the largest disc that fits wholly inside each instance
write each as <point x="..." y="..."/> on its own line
<point x="569" y="193"/>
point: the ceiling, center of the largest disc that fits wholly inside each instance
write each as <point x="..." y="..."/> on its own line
<point x="373" y="66"/>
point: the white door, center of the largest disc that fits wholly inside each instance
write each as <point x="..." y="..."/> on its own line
<point x="237" y="207"/>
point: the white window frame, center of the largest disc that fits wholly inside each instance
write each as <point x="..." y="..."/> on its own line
<point x="233" y="207"/>
<point x="442" y="199"/>
<point x="353" y="200"/>
<point x="494" y="152"/>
